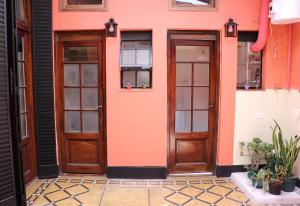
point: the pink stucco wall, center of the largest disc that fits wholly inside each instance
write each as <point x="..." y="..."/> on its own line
<point x="137" y="120"/>
<point x="295" y="80"/>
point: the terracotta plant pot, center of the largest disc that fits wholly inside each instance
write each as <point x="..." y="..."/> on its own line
<point x="289" y="184"/>
<point x="275" y="187"/>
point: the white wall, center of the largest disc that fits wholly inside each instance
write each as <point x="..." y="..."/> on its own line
<point x="255" y="111"/>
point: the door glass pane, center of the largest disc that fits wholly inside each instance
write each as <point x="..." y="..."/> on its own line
<point x="21" y="9"/>
<point x="183" y="121"/>
<point x="80" y="54"/>
<point x="183" y="74"/>
<point x="71" y="74"/>
<point x="72" y="121"/>
<point x="22" y="102"/>
<point x="90" y="74"/>
<point x="201" y="97"/>
<point x="90" y="121"/>
<point x="72" y="98"/>
<point x="143" y="78"/>
<point x="21" y="76"/>
<point x="90" y="98"/>
<point x="20" y="48"/>
<point x="84" y="2"/>
<point x="201" y="74"/>
<point x="200" y="121"/>
<point x="183" y="98"/>
<point x="128" y="57"/>
<point x="143" y="57"/>
<point x="23" y="122"/>
<point x="192" y="53"/>
<point x="128" y="78"/>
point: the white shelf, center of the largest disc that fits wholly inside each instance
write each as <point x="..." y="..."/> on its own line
<point x="257" y="196"/>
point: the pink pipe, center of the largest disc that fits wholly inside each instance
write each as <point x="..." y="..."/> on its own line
<point x="264" y="22"/>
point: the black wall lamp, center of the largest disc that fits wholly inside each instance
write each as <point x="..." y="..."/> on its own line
<point x="231" y="28"/>
<point x="111" y="28"/>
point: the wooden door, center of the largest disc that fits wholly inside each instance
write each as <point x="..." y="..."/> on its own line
<point x="26" y="106"/>
<point x="80" y="105"/>
<point x="192" y="100"/>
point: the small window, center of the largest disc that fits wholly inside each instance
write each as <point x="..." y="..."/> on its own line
<point x="192" y="4"/>
<point x="249" y="73"/>
<point x="136" y="59"/>
<point x="83" y="4"/>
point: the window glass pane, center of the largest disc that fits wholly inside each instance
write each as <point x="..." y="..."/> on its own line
<point x="241" y="52"/>
<point x="200" y="121"/>
<point x="128" y="78"/>
<point x="254" y="75"/>
<point x="90" y="74"/>
<point x="90" y="98"/>
<point x="201" y="97"/>
<point x="23" y="124"/>
<point x="71" y="74"/>
<point x="21" y="77"/>
<point x="20" y="48"/>
<point x="84" y="2"/>
<point x="241" y="76"/>
<point x="201" y="74"/>
<point x="183" y="98"/>
<point x="72" y="98"/>
<point x="20" y="7"/>
<point x="183" y="74"/>
<point x="143" y="57"/>
<point x="72" y="121"/>
<point x="80" y="54"/>
<point x="143" y="79"/>
<point x="249" y="66"/>
<point x="183" y="121"/>
<point x="90" y="121"/>
<point x="128" y="57"/>
<point x="192" y="54"/>
<point x="22" y="100"/>
<point x="193" y="2"/>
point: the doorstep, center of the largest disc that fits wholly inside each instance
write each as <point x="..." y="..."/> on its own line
<point x="257" y="196"/>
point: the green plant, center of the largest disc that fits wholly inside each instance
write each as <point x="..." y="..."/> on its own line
<point x="258" y="151"/>
<point x="286" y="152"/>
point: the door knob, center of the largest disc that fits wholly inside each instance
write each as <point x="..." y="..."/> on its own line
<point x="211" y="106"/>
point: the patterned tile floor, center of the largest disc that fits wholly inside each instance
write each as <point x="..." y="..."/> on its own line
<point x="100" y="191"/>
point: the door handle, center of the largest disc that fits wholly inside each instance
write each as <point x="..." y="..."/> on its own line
<point x="211" y="106"/>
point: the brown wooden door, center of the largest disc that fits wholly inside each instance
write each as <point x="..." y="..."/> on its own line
<point x="191" y="105"/>
<point x="26" y="106"/>
<point x="81" y="103"/>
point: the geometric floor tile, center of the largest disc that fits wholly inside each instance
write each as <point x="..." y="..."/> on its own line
<point x="100" y="191"/>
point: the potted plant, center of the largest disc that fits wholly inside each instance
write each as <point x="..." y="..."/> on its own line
<point x="286" y="153"/>
<point x="258" y="179"/>
<point x="258" y="151"/>
<point x="275" y="181"/>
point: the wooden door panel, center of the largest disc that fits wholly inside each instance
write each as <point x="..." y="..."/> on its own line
<point x="191" y="82"/>
<point x="81" y="99"/>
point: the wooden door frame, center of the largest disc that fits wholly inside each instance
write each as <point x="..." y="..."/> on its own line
<point x="57" y="92"/>
<point x="24" y="27"/>
<point x="195" y="35"/>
